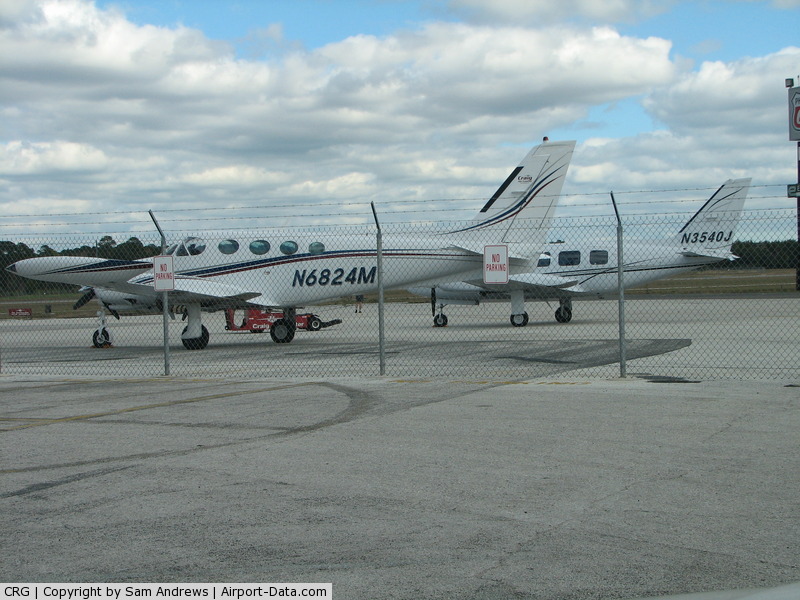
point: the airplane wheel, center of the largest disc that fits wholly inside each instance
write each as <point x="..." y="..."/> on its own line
<point x="314" y="324"/>
<point x="563" y="314"/>
<point x="519" y="320"/>
<point x="101" y="338"/>
<point x="282" y="331"/>
<point x="440" y="320"/>
<point x="196" y="343"/>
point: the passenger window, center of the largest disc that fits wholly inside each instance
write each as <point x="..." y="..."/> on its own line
<point x="289" y="247"/>
<point x="228" y="246"/>
<point x="316" y="248"/>
<point x="598" y="257"/>
<point x="544" y="260"/>
<point x="569" y="258"/>
<point x="259" y="247"/>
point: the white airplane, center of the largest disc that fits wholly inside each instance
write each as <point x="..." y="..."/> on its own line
<point x="309" y="268"/>
<point x="589" y="270"/>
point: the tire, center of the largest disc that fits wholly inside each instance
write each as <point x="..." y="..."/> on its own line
<point x="314" y="324"/>
<point x="196" y="343"/>
<point x="282" y="331"/>
<point x="440" y="320"/>
<point x="563" y="314"/>
<point x="100" y="338"/>
<point x="519" y="320"/>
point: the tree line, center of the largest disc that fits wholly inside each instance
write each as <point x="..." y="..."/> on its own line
<point x="753" y="255"/>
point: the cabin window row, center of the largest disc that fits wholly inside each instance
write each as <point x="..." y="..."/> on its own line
<point x="196" y="246"/>
<point x="572" y="258"/>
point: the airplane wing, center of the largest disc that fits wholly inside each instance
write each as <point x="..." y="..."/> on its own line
<point x="710" y="253"/>
<point x="195" y="289"/>
<point x="190" y="290"/>
<point x="533" y="283"/>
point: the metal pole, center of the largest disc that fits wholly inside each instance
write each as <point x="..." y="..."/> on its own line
<point x="381" y="338"/>
<point x="164" y="299"/>
<point x="797" y="255"/>
<point x="621" y="289"/>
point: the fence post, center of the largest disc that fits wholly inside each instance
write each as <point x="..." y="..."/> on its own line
<point x="621" y="290"/>
<point x="164" y="299"/>
<point x="379" y="254"/>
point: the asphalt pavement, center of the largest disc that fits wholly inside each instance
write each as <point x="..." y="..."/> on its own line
<point x="557" y="487"/>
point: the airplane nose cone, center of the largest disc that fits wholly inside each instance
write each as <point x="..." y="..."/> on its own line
<point x="12" y="268"/>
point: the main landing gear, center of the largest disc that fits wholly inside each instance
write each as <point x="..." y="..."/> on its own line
<point x="519" y="318"/>
<point x="564" y="310"/>
<point x="195" y="335"/>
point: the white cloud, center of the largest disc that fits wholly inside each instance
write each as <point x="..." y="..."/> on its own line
<point x="133" y="117"/>
<point x="17" y="158"/>
<point x="741" y="98"/>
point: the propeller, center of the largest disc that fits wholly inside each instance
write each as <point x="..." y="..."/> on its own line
<point x="84" y="299"/>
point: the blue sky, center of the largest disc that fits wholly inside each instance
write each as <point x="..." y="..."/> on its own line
<point x="116" y="106"/>
<point x="699" y="30"/>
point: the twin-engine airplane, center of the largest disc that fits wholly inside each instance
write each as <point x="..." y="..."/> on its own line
<point x="285" y="274"/>
<point x="589" y="270"/>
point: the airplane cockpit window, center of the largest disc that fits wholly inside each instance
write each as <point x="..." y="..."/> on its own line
<point x="569" y="258"/>
<point x="316" y="248"/>
<point x="259" y="247"/>
<point x="171" y="250"/>
<point x="289" y="247"/>
<point x="191" y="247"/>
<point x="228" y="246"/>
<point x="598" y="257"/>
<point x="544" y="260"/>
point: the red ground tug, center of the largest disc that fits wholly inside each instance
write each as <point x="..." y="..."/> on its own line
<point x="259" y="321"/>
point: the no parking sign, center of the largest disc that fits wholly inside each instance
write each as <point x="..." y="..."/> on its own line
<point x="495" y="264"/>
<point x="163" y="274"/>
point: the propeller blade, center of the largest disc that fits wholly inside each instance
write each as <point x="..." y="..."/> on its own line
<point x="84" y="299"/>
<point x="433" y="301"/>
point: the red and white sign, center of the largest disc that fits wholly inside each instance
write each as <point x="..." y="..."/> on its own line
<point x="794" y="114"/>
<point x="20" y="312"/>
<point x="495" y="264"/>
<point x="163" y="274"/>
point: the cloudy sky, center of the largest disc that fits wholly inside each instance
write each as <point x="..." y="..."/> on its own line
<point x="222" y="114"/>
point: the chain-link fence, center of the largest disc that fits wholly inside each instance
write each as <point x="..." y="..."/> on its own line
<point x="735" y="319"/>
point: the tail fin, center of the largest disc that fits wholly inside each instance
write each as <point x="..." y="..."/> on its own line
<point x="530" y="192"/>
<point x="711" y="230"/>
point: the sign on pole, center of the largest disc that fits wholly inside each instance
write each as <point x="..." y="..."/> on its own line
<point x="163" y="274"/>
<point x="794" y="114"/>
<point x="495" y="264"/>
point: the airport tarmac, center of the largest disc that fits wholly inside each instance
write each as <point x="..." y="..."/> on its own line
<point x="552" y="488"/>
<point x="490" y="462"/>
<point x="694" y="338"/>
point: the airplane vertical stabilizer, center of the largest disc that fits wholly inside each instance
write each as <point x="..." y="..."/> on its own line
<point x="711" y="231"/>
<point x="528" y="197"/>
